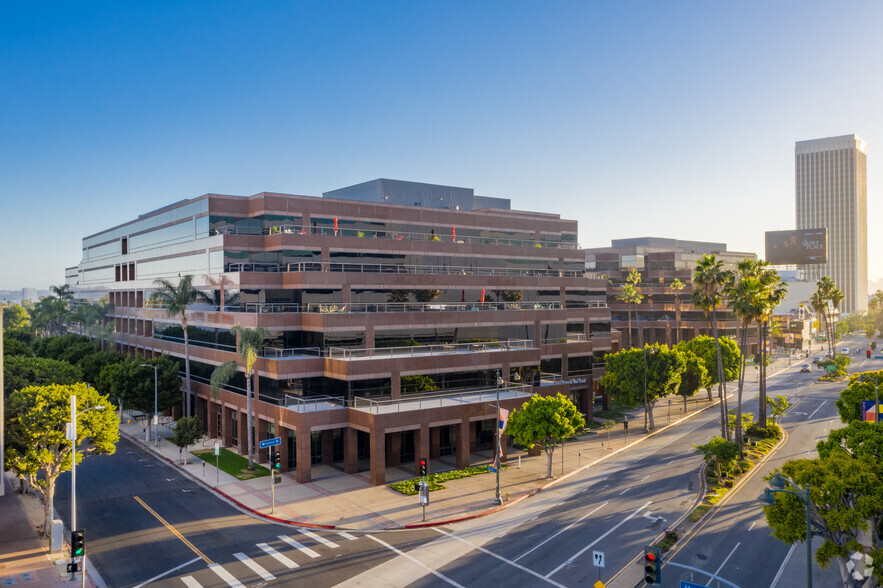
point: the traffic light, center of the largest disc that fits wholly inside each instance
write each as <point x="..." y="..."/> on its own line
<point x="78" y="543"/>
<point x="424" y="466"/>
<point x="868" y="353"/>
<point x="276" y="460"/>
<point x="653" y="565"/>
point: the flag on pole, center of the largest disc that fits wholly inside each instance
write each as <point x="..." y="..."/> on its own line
<point x="504" y="418"/>
<point x="501" y="426"/>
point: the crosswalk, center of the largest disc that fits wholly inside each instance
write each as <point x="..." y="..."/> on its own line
<point x="265" y="549"/>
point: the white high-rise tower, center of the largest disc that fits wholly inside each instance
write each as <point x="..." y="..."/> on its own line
<point x="832" y="191"/>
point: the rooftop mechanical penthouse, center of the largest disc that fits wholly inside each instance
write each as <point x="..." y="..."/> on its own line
<point x="393" y="324"/>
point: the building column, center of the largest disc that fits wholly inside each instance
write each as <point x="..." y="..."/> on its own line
<point x="327" y="446"/>
<point x="347" y="294"/>
<point x="282" y="449"/>
<point x="378" y="457"/>
<point x="393" y="449"/>
<point x="463" y="444"/>
<point x="261" y="431"/>
<point x="395" y="385"/>
<point x="304" y="463"/>
<point x="350" y="451"/>
<point x="369" y="337"/>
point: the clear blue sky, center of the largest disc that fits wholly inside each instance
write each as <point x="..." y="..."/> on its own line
<point x="672" y="119"/>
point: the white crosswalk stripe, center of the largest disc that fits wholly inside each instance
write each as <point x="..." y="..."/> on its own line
<point x="319" y="538"/>
<point x="225" y="576"/>
<point x="190" y="582"/>
<point x="347" y="536"/>
<point x="255" y="566"/>
<point x="302" y="548"/>
<point x="278" y="556"/>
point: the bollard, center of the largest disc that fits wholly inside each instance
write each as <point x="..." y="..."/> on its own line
<point x="519" y="462"/>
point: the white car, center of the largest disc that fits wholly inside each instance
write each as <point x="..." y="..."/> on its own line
<point x="844" y="350"/>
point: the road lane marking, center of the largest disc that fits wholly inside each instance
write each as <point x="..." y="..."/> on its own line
<point x="726" y="559"/>
<point x="174" y="531"/>
<point x="299" y="546"/>
<point x="596" y="541"/>
<point x="816" y="410"/>
<point x="255" y="566"/>
<point x="499" y="557"/>
<point x="319" y="538"/>
<point x="752" y="525"/>
<point x="784" y="563"/>
<point x="416" y="561"/>
<point x="166" y="573"/>
<point x="645" y="477"/>
<point x="624" y="491"/>
<point x="591" y="512"/>
<point x="190" y="582"/>
<point x="278" y="556"/>
<point x="226" y="576"/>
<point x="347" y="536"/>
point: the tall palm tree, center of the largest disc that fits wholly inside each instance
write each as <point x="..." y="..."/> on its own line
<point x="175" y="299"/>
<point x="677" y="285"/>
<point x="828" y="291"/>
<point x="774" y="291"/>
<point x="630" y="295"/>
<point x="248" y="345"/>
<point x="63" y="292"/>
<point x="709" y="281"/>
<point x="217" y="295"/>
<point x="819" y="305"/>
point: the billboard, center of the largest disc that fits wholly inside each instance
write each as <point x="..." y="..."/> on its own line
<point x="797" y="247"/>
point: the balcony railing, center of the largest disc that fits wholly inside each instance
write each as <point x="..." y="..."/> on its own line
<point x="313" y="403"/>
<point x="392" y="268"/>
<point x="410" y="402"/>
<point x="398" y="307"/>
<point x="349" y="354"/>
<point x="291" y="229"/>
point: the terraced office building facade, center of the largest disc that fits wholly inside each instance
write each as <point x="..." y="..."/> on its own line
<point x="393" y="326"/>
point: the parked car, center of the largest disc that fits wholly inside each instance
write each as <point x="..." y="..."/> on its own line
<point x="844" y="350"/>
<point x="816" y="359"/>
<point x="805" y="368"/>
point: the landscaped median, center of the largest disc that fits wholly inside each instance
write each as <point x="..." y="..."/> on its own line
<point x="409" y="487"/>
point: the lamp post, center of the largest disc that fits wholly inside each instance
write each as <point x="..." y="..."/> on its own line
<point x="767" y="499"/>
<point x="155" y="404"/>
<point x="497" y="499"/>
<point x="876" y="395"/>
<point x="73" y="440"/>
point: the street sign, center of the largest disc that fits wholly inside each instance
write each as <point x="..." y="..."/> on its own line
<point x="598" y="559"/>
<point x="685" y="584"/>
<point x="271" y="442"/>
<point x="217" y="448"/>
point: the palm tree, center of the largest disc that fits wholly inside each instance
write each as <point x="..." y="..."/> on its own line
<point x="217" y="296"/>
<point x="819" y="305"/>
<point x="709" y="280"/>
<point x="745" y="298"/>
<point x="828" y="291"/>
<point x="774" y="291"/>
<point x="630" y="295"/>
<point x="248" y="345"/>
<point x="677" y="285"/>
<point x="175" y="300"/>
<point x="63" y="292"/>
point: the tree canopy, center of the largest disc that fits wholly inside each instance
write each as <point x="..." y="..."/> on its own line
<point x="859" y="388"/>
<point x="20" y="371"/>
<point x="187" y="431"/>
<point x="545" y="421"/>
<point x="37" y="449"/>
<point x="704" y="347"/>
<point x="624" y="377"/>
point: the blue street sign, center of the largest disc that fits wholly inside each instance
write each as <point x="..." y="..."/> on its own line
<point x="271" y="442"/>
<point x="685" y="584"/>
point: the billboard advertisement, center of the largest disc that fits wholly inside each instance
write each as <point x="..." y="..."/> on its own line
<point x="800" y="246"/>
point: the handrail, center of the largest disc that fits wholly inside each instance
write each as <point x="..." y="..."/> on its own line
<point x="437" y="399"/>
<point x="312" y="403"/>
<point x="280" y="352"/>
<point x="388" y="268"/>
<point x="347" y="354"/>
<point x="366" y="307"/>
<point x="394" y="235"/>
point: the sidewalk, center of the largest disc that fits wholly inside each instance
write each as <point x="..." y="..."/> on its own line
<point x="350" y="502"/>
<point x="24" y="555"/>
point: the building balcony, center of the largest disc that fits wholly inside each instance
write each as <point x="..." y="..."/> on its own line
<point x="391" y="268"/>
<point x="351" y="354"/>
<point x="412" y="402"/>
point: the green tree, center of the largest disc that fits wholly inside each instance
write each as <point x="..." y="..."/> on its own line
<point x="625" y="373"/>
<point x="175" y="299"/>
<point x="63" y="292"/>
<point x="187" y="431"/>
<point x="20" y="371"/>
<point x="695" y="376"/>
<point x="37" y="449"/>
<point x="16" y="347"/>
<point x="719" y="453"/>
<point x="93" y="364"/>
<point x="16" y="318"/>
<point x="709" y="280"/>
<point x="677" y="285"/>
<point x="630" y="295"/>
<point x="706" y="349"/>
<point x="248" y="346"/>
<point x="545" y="421"/>
<point x="70" y="347"/>
<point x="426" y="295"/>
<point x="777" y="406"/>
<point x="849" y="405"/>
<point x="846" y="495"/>
<point x="47" y="316"/>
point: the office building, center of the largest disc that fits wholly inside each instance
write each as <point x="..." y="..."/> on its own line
<point x="665" y="314"/>
<point x="393" y="326"/>
<point x="832" y="191"/>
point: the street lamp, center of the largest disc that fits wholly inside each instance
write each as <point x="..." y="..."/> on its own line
<point x="876" y="395"/>
<point x="497" y="499"/>
<point x="73" y="439"/>
<point x="155" y="404"/>
<point x="767" y="499"/>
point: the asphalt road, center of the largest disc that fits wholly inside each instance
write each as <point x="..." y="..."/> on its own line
<point x="146" y="524"/>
